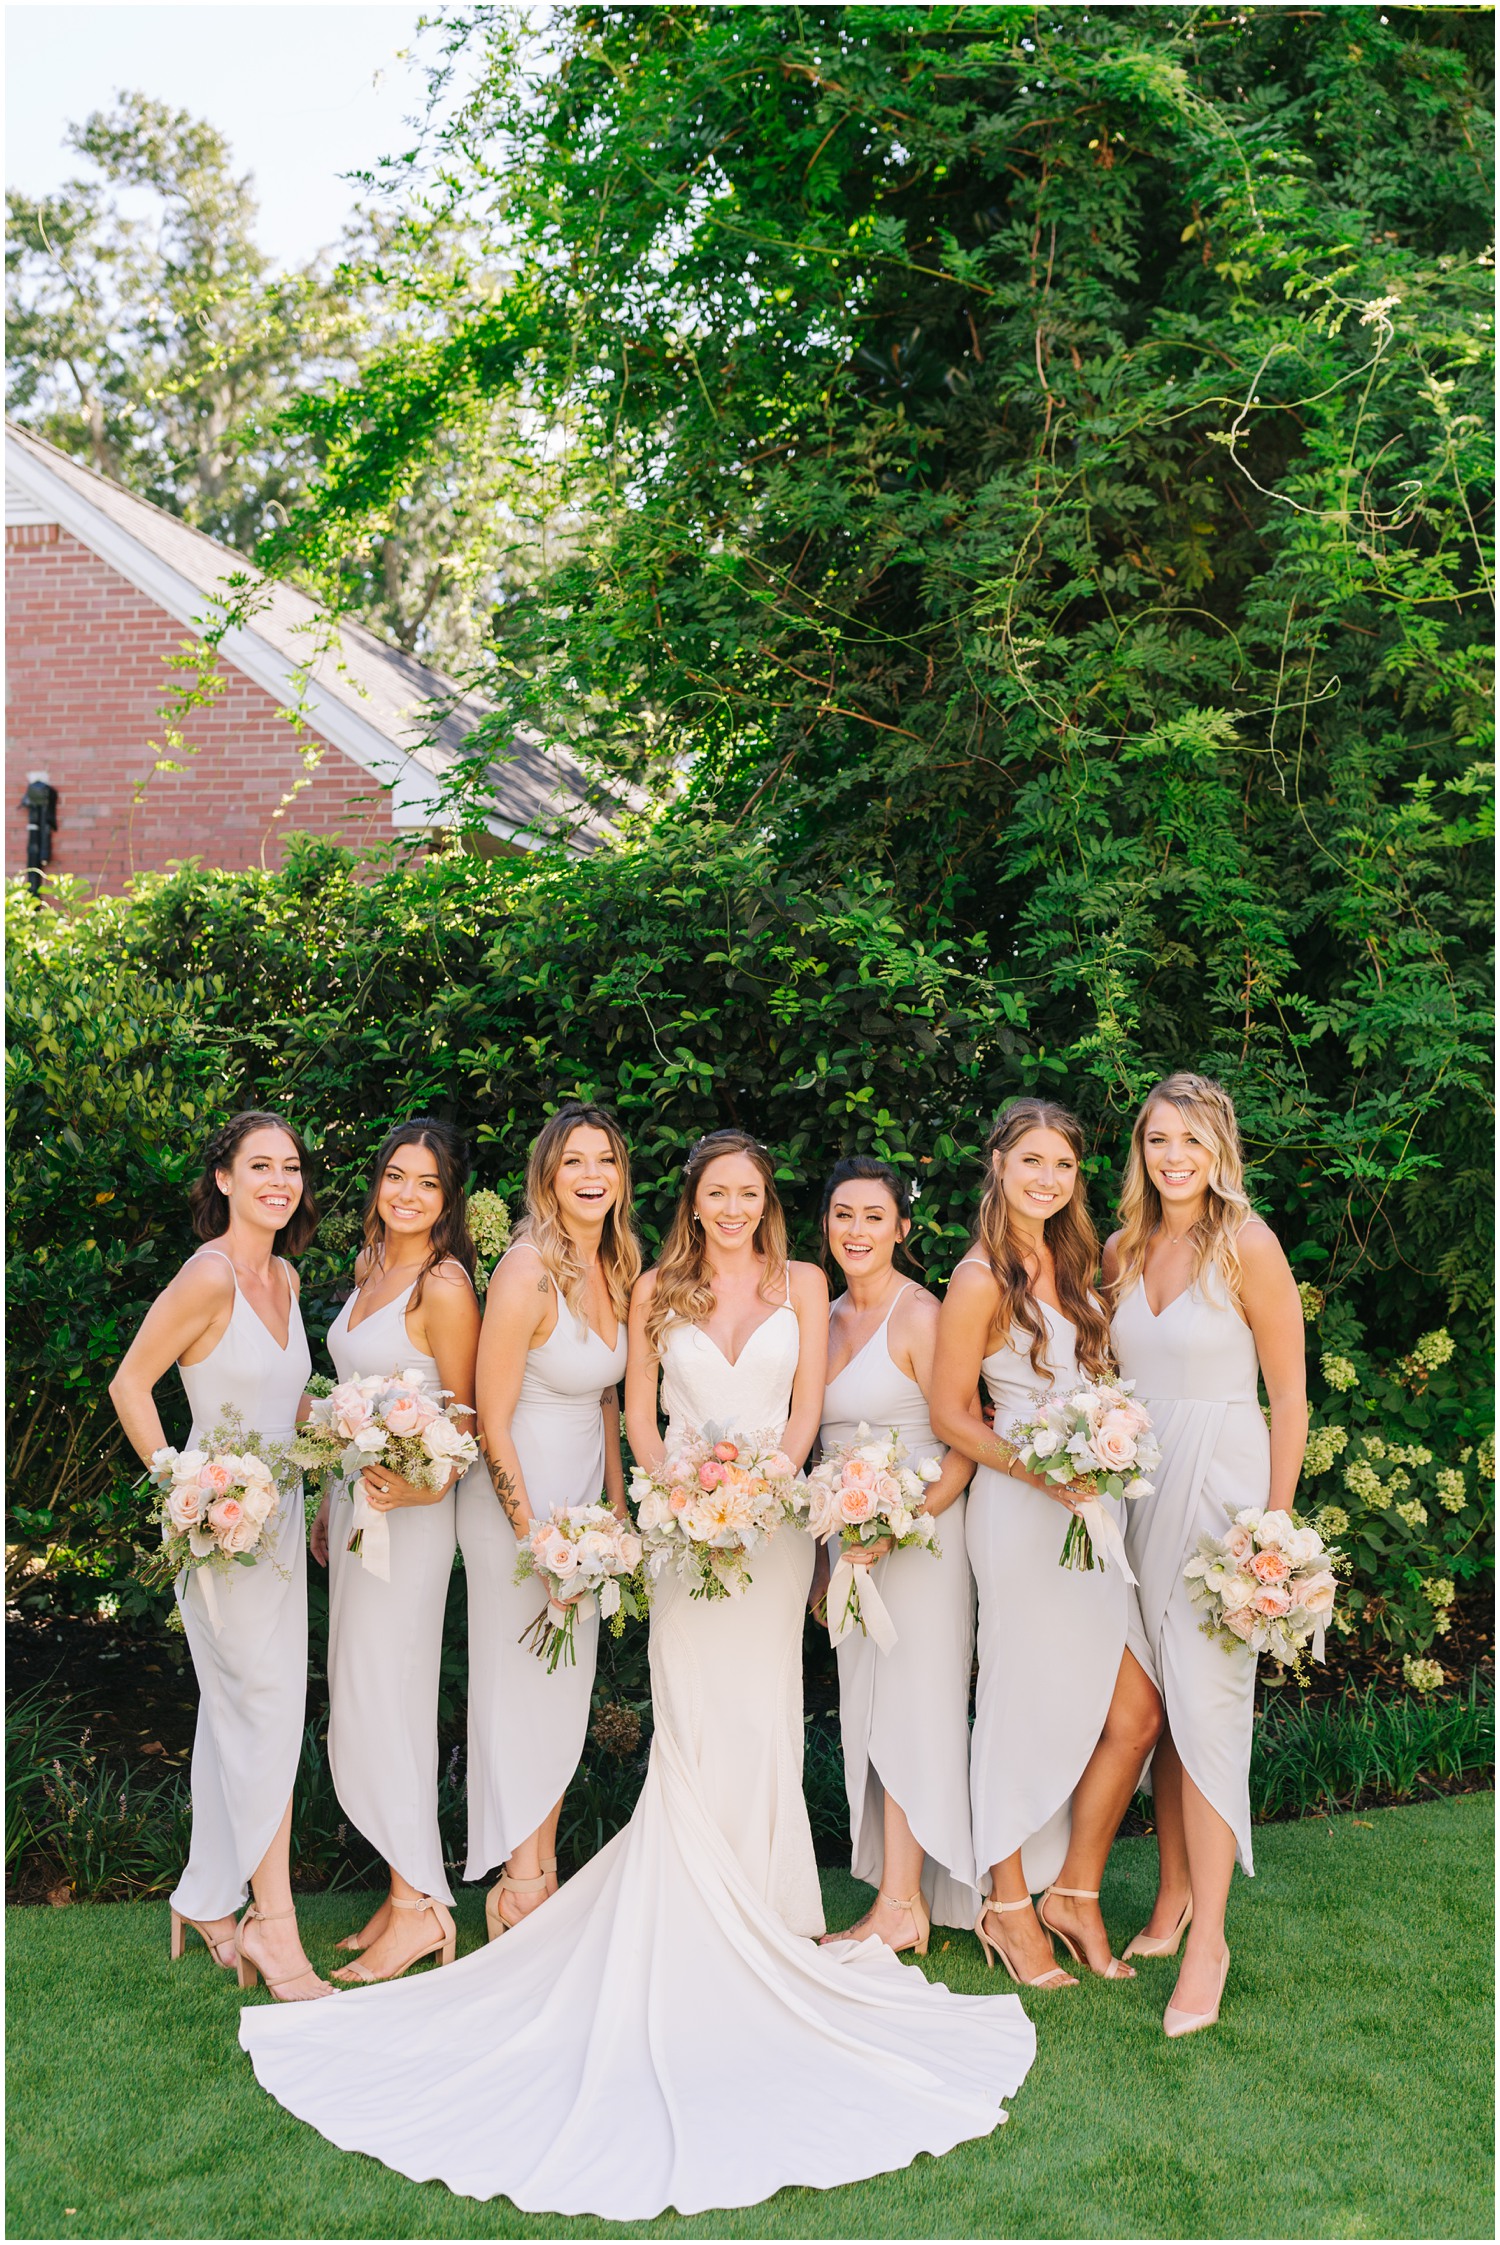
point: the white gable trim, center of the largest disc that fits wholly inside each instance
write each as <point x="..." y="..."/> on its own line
<point x="415" y="799"/>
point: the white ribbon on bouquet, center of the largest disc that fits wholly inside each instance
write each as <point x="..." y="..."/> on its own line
<point x="852" y="1600"/>
<point x="1104" y="1534"/>
<point x="374" y="1531"/>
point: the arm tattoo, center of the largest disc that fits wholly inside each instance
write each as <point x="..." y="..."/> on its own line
<point x="505" y="1490"/>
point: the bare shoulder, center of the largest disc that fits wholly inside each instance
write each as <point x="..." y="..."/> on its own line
<point x="915" y="1310"/>
<point x="643" y="1289"/>
<point x="449" y="1278"/>
<point x="809" y="1286"/>
<point x="519" y="1271"/>
<point x="1260" y="1251"/>
<point x="205" y="1282"/>
<point x="294" y="1279"/>
<point x="1109" y="1261"/>
<point x="973" y="1280"/>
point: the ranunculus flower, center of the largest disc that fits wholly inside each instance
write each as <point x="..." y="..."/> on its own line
<point x="726" y="1452"/>
<point x="710" y="1474"/>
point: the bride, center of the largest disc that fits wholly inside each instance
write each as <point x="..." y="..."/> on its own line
<point x="661" y="2032"/>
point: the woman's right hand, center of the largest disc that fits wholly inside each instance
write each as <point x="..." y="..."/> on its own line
<point x="317" y="1542"/>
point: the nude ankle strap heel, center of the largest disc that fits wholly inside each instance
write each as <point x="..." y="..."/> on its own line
<point x="250" y="1974"/>
<point x="917" y="1904"/>
<point x="181" y="1927"/>
<point x="494" y="1924"/>
<point x="1056" y="1978"/>
<point x="1116" y="1969"/>
<point x="444" y="1948"/>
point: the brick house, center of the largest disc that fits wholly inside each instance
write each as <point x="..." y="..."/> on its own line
<point x="105" y="593"/>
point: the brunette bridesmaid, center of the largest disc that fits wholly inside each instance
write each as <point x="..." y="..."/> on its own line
<point x="551" y="1356"/>
<point x="1060" y="1699"/>
<point x="230" y="1323"/>
<point x="413" y="1309"/>
<point x="1204" y="1301"/>
<point x="904" y="1714"/>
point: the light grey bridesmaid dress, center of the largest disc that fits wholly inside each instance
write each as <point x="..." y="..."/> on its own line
<point x="252" y="1670"/>
<point x="1051" y="1639"/>
<point x="385" y="1639"/>
<point x="1196" y="1370"/>
<point x="526" y="1727"/>
<point x="904" y="1715"/>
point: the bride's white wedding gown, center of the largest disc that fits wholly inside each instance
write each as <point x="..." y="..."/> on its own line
<point x="661" y="2032"/>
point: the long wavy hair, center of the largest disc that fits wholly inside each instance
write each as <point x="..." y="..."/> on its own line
<point x="450" y="1241"/>
<point x="207" y="1202"/>
<point x="684" y="1291"/>
<point x="1208" y="1108"/>
<point x="1070" y="1236"/>
<point x="543" y="1228"/>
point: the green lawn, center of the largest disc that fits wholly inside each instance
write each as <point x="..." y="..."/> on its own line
<point x="1346" y="2093"/>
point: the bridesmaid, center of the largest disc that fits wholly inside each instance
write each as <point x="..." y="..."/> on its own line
<point x="551" y="1356"/>
<point x="1203" y="1300"/>
<point x="904" y="1714"/>
<point x="413" y="1307"/>
<point x="230" y="1323"/>
<point x="1060" y="1700"/>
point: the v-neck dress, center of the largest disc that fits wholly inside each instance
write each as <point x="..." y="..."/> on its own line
<point x="385" y="1639"/>
<point x="1051" y="1639"/>
<point x="904" y="1715"/>
<point x="252" y="1669"/>
<point x="526" y="1727"/>
<point x="1196" y="1370"/>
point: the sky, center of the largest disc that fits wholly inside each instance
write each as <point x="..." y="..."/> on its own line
<point x="301" y="93"/>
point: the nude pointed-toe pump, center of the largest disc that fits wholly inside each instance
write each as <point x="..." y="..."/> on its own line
<point x="1116" y="1969"/>
<point x="1056" y="1978"/>
<point x="1175" y="2024"/>
<point x="444" y="1948"/>
<point x="1162" y="1945"/>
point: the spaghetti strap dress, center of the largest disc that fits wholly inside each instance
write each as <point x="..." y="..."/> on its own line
<point x="1051" y="1638"/>
<point x="252" y="1668"/>
<point x="1196" y="1370"/>
<point x="904" y="1715"/>
<point x="660" y="2032"/>
<point x="385" y="1639"/>
<point x="526" y="1727"/>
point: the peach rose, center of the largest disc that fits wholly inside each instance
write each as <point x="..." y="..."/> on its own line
<point x="351" y="1416"/>
<point x="184" y="1505"/>
<point x="1271" y="1601"/>
<point x="887" y="1489"/>
<point x="404" y="1416"/>
<point x="1269" y="1566"/>
<point x="630" y="1552"/>
<point x="1315" y="1596"/>
<point x="215" y="1477"/>
<point x="857" y="1505"/>
<point x="858" y="1473"/>
<point x="679" y="1498"/>
<point x="779" y="1466"/>
<point x="1241" y="1624"/>
<point x="1238" y="1543"/>
<point x="1114" y="1441"/>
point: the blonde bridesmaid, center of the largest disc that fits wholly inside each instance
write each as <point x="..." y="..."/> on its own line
<point x="1064" y="1717"/>
<point x="1205" y="1305"/>
<point x="904" y="1714"/>
<point x="230" y="1322"/>
<point x="551" y="1356"/>
<point x="413" y="1309"/>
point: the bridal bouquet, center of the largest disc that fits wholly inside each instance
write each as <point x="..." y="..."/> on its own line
<point x="860" y="1492"/>
<point x="581" y="1553"/>
<point x="1267" y="1582"/>
<point x="1096" y="1434"/>
<point x="396" y="1418"/>
<point x="710" y="1502"/>
<point x="215" y="1503"/>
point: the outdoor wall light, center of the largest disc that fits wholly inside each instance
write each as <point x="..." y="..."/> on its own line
<point x="40" y="805"/>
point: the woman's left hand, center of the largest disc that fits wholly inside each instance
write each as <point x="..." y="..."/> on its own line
<point x="385" y="1491"/>
<point x="866" y="1554"/>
